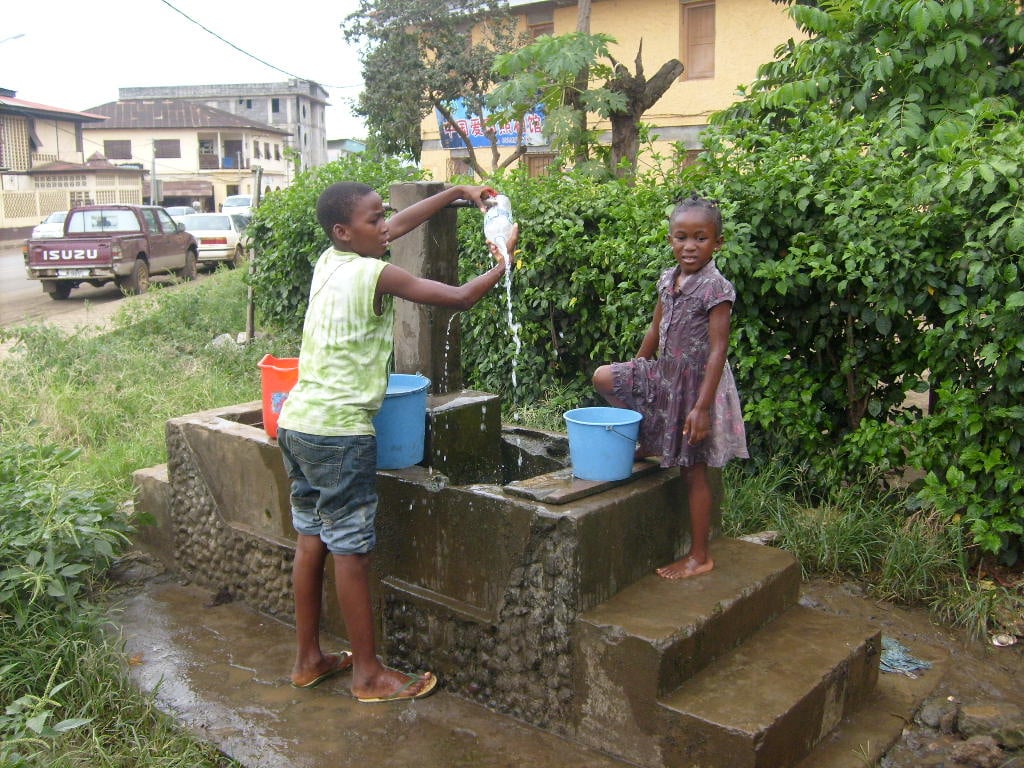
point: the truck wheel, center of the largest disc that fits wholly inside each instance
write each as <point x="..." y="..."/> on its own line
<point x="60" y="291"/>
<point x="188" y="272"/>
<point x="237" y="259"/>
<point x="138" y="281"/>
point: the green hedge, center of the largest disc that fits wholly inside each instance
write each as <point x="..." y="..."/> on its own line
<point x="860" y="277"/>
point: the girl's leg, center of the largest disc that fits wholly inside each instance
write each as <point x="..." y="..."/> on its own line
<point x="604" y="384"/>
<point x="698" y="560"/>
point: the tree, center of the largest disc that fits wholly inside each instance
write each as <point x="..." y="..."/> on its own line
<point x="423" y="55"/>
<point x="640" y="94"/>
<point x="911" y="63"/>
<point x="557" y="71"/>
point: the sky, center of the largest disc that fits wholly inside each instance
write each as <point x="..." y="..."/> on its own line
<point x="76" y="54"/>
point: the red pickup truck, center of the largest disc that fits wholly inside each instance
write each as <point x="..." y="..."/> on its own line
<point x="123" y="243"/>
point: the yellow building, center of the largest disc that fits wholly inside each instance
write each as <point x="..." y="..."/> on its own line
<point x="721" y="44"/>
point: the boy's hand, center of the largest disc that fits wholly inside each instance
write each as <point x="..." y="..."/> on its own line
<point x="477" y="195"/>
<point x="513" y="238"/>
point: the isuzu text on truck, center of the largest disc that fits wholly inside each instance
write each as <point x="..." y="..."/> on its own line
<point x="123" y="243"/>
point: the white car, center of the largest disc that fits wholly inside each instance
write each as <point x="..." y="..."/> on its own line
<point x="237" y="204"/>
<point x="221" y="236"/>
<point x="51" y="226"/>
<point x="179" y="211"/>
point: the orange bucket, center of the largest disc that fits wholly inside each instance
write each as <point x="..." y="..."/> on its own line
<point x="279" y="376"/>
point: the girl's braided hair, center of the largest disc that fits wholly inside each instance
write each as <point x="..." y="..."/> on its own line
<point x="706" y="204"/>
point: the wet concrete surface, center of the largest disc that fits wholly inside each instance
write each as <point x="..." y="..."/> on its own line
<point x="221" y="669"/>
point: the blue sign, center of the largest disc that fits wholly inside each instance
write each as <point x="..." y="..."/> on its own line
<point x="475" y="128"/>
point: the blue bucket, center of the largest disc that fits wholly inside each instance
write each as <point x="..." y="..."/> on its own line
<point x="401" y="422"/>
<point x="602" y="442"/>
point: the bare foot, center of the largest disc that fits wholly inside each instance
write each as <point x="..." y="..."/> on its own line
<point x="392" y="685"/>
<point x="684" y="569"/>
<point x="331" y="664"/>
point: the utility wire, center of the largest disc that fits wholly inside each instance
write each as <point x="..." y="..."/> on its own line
<point x="245" y="52"/>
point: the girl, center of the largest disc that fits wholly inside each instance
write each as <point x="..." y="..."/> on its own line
<point x="680" y="380"/>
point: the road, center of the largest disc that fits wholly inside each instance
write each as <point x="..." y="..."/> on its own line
<point x="23" y="302"/>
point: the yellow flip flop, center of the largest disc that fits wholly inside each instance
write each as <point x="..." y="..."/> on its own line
<point x="401" y="693"/>
<point x="344" y="665"/>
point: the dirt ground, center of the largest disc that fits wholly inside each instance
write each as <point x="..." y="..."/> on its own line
<point x="972" y="674"/>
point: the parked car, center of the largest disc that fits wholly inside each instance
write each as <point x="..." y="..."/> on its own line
<point x="177" y="211"/>
<point x="237" y="204"/>
<point x="100" y="243"/>
<point x="51" y="226"/>
<point x="221" y="236"/>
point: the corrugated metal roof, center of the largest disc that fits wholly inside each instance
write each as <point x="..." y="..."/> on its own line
<point x="174" y="113"/>
<point x="30" y="107"/>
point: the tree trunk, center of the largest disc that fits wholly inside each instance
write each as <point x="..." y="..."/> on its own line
<point x="574" y="98"/>
<point x="641" y="94"/>
<point x="583" y="16"/>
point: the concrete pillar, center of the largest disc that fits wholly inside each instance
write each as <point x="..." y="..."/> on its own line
<point x="427" y="339"/>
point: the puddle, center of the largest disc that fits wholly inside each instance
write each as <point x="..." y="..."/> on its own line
<point x="222" y="671"/>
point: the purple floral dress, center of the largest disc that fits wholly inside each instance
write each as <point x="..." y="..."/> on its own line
<point x="665" y="388"/>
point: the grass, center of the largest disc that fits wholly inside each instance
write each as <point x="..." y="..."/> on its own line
<point x="86" y="412"/>
<point x="89" y="412"/>
<point x="865" y="532"/>
<point x="112" y="394"/>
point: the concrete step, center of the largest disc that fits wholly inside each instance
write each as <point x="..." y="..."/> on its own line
<point x="655" y="634"/>
<point x="665" y="631"/>
<point x="769" y="702"/>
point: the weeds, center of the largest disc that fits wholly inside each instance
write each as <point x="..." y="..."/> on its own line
<point x="91" y="411"/>
<point x="864" y="532"/>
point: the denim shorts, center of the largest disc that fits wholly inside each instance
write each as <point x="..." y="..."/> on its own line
<point x="334" y="488"/>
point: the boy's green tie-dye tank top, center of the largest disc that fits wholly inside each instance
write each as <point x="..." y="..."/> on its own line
<point x="343" y="363"/>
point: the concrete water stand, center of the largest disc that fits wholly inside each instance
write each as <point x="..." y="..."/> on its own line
<point x="532" y="593"/>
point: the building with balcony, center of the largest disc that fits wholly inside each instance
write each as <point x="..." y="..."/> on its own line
<point x="195" y="152"/>
<point x="295" y="106"/>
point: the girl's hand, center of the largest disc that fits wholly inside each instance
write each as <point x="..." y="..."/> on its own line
<point x="697" y="425"/>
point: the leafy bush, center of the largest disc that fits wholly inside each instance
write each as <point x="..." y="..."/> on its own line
<point x="583" y="289"/>
<point x="54" y="539"/>
<point x="289" y="239"/>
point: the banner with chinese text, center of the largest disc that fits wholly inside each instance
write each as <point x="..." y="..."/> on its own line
<point x="533" y="131"/>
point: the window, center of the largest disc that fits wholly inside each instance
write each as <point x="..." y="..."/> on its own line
<point x="698" y="36"/>
<point x="266" y="149"/>
<point x="151" y="221"/>
<point x="166" y="222"/>
<point x="256" y="150"/>
<point x="537" y="164"/>
<point x="167" y="148"/>
<point x="33" y="138"/>
<point x="117" y="149"/>
<point x="277" y="151"/>
<point x="275" y="105"/>
<point x="540" y="22"/>
<point x="459" y="166"/>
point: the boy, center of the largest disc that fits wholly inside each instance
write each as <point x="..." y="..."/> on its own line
<point x="325" y="428"/>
